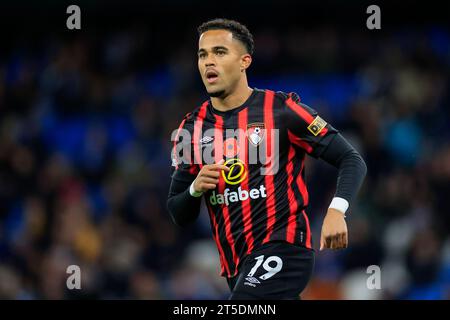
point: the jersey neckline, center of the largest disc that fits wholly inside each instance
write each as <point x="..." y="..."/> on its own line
<point x="237" y="109"/>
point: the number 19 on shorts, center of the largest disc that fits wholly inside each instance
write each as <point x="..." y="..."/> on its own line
<point x="272" y="265"/>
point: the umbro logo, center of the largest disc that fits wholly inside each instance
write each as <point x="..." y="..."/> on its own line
<point x="206" y="140"/>
<point x="252" y="280"/>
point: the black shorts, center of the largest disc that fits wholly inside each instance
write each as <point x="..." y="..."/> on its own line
<point x="275" y="271"/>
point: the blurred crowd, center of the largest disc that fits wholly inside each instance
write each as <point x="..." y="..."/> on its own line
<point x="85" y="125"/>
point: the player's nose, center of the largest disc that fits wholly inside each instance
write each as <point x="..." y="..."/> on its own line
<point x="210" y="61"/>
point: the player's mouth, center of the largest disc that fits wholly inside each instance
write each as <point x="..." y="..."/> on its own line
<point x="211" y="76"/>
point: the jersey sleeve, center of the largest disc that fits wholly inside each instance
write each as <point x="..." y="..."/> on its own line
<point x="183" y="167"/>
<point x="305" y="128"/>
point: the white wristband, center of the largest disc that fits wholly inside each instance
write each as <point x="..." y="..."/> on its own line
<point x="193" y="192"/>
<point x="339" y="204"/>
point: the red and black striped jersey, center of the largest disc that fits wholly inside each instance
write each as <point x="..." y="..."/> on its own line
<point x="264" y="195"/>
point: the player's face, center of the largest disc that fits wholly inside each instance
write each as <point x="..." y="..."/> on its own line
<point x="220" y="61"/>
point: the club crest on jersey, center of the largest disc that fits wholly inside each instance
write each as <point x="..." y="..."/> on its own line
<point x="256" y="132"/>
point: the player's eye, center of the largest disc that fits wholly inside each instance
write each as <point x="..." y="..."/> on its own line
<point x="220" y="52"/>
<point x="202" y="55"/>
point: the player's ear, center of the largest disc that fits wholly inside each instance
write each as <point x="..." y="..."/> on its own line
<point x="246" y="61"/>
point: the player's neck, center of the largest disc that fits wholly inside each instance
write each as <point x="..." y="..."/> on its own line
<point x="233" y="100"/>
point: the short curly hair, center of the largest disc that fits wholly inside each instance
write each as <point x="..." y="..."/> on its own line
<point x="239" y="31"/>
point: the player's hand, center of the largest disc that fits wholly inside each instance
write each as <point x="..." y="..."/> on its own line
<point x="208" y="177"/>
<point x="334" y="231"/>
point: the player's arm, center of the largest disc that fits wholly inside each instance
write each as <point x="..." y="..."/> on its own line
<point x="189" y="181"/>
<point x="351" y="172"/>
<point x="183" y="206"/>
<point x="185" y="194"/>
<point x="306" y="130"/>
